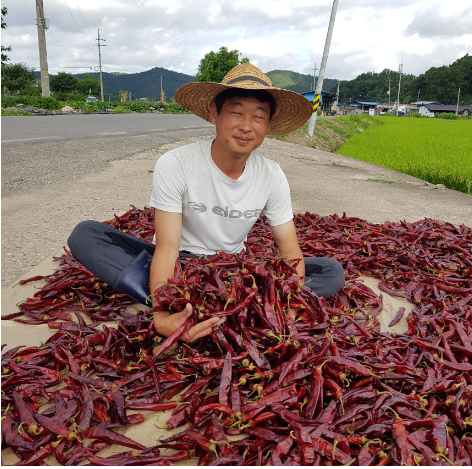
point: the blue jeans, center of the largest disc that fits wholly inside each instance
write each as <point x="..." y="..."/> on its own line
<point x="108" y="252"/>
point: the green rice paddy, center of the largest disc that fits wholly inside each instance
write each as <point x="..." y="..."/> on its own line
<point x="435" y="150"/>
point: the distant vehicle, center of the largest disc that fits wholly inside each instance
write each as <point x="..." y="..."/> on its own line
<point x="91" y="99"/>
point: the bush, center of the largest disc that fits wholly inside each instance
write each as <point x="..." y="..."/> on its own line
<point x="447" y="115"/>
<point x="122" y="110"/>
<point x="15" y="113"/>
<point x="171" y="107"/>
<point x="77" y="101"/>
<point x="417" y="115"/>
<point x="50" y="103"/>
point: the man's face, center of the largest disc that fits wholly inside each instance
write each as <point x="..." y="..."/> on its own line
<point x="241" y="126"/>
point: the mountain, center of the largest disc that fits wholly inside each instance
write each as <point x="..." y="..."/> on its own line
<point x="143" y="85"/>
<point x="297" y="82"/>
<point x="148" y="84"/>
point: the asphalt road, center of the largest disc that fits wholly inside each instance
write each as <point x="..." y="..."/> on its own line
<point x="42" y="150"/>
<point x="16" y="129"/>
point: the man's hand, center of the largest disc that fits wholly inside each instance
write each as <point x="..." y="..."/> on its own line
<point x="166" y="323"/>
<point x="292" y="314"/>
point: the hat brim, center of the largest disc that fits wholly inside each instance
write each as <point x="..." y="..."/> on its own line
<point x="292" y="109"/>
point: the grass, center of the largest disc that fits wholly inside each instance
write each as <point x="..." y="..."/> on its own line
<point x="330" y="134"/>
<point x="434" y="150"/>
<point x="15" y="113"/>
<point x="348" y="126"/>
<point x="386" y="181"/>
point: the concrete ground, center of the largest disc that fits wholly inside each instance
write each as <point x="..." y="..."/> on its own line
<point x="35" y="224"/>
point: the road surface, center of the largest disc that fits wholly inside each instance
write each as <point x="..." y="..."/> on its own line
<point x="23" y="129"/>
<point x="42" y="150"/>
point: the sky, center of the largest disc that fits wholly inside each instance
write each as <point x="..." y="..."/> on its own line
<point x="368" y="35"/>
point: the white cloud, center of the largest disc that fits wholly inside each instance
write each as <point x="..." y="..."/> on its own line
<point x="369" y="35"/>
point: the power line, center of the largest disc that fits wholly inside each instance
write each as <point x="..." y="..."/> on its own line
<point x="94" y="26"/>
<point x="152" y="52"/>
<point x="85" y="66"/>
<point x="83" y="19"/>
<point x="65" y="1"/>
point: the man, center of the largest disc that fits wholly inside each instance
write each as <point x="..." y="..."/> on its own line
<point x="209" y="194"/>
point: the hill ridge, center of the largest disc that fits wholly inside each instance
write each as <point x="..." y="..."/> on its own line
<point x="147" y="84"/>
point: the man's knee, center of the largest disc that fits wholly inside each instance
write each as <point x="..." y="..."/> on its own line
<point x="82" y="234"/>
<point x="337" y="273"/>
<point x="327" y="274"/>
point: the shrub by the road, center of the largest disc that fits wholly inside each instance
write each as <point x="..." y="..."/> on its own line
<point x="59" y="100"/>
<point x="122" y="110"/>
<point x="15" y="113"/>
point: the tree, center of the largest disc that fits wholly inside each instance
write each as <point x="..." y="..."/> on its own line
<point x="89" y="85"/>
<point x="64" y="83"/>
<point x="16" y="77"/>
<point x="372" y="86"/>
<point x="4" y="49"/>
<point x="215" y="65"/>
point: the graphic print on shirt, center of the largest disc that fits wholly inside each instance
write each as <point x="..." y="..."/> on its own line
<point x="198" y="207"/>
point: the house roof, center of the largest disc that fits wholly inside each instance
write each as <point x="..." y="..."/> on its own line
<point x="445" y="107"/>
<point x="367" y="103"/>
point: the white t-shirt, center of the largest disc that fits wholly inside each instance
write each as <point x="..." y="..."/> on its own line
<point x="217" y="211"/>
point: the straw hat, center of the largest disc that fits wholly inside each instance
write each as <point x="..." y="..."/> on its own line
<point x="292" y="109"/>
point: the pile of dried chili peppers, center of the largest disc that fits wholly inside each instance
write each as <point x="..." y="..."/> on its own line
<point x="329" y="388"/>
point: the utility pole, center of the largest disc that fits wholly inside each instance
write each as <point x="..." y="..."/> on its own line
<point x="418" y="100"/>
<point x="319" y="85"/>
<point x="400" y="70"/>
<point x="457" y="107"/>
<point x="43" y="24"/>
<point x="337" y="98"/>
<point x="314" y="77"/>
<point x="389" y="79"/>
<point x="100" y="65"/>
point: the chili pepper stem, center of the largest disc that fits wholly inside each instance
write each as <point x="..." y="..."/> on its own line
<point x="417" y="459"/>
<point x="342" y="405"/>
<point x="451" y="463"/>
<point x="335" y="443"/>
<point x="161" y="428"/>
<point x="396" y="415"/>
<point x="345" y="379"/>
<point x="321" y="366"/>
<point x="98" y="391"/>
<point x="271" y="334"/>
<point x="55" y="444"/>
<point x="305" y="401"/>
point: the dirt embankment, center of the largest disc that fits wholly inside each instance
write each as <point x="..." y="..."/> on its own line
<point x="329" y="133"/>
<point x="325" y="136"/>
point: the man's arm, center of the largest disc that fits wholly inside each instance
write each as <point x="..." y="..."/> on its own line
<point x="286" y="238"/>
<point x="168" y="228"/>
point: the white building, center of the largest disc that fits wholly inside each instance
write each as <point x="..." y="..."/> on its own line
<point x="424" y="111"/>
